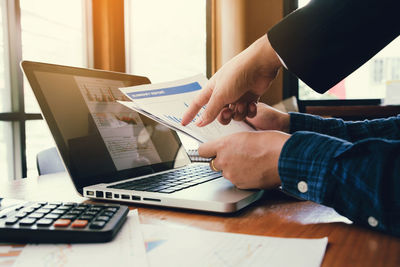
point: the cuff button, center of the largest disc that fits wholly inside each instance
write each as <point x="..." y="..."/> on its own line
<point x="372" y="221"/>
<point x="302" y="186"/>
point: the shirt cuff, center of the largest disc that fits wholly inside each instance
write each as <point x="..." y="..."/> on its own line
<point x="281" y="60"/>
<point x="305" y="162"/>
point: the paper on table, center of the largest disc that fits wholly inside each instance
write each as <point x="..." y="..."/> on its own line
<point x="172" y="246"/>
<point x="167" y="102"/>
<point x="9" y="253"/>
<point x="127" y="249"/>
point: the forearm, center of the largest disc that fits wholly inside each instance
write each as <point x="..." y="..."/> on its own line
<point x="351" y="131"/>
<point x="359" y="180"/>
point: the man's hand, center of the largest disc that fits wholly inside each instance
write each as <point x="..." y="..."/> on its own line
<point x="269" y="118"/>
<point x="248" y="159"/>
<point x="233" y="91"/>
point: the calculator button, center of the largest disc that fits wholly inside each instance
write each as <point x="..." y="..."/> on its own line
<point x="21" y="215"/>
<point x="42" y="203"/>
<point x="90" y="213"/>
<point x="81" y="209"/>
<point x="103" y="218"/>
<point x="96" y="209"/>
<point x="86" y="217"/>
<point x="84" y="205"/>
<point x="97" y="225"/>
<point x="62" y="223"/>
<point x="35" y="206"/>
<point x="79" y="224"/>
<point x="68" y="216"/>
<point x="52" y="216"/>
<point x="44" y="222"/>
<point x="49" y="206"/>
<point x="44" y="211"/>
<point x="74" y="212"/>
<point x="28" y="210"/>
<point x="11" y="221"/>
<point x="70" y="204"/>
<point x="56" y="203"/>
<point x="57" y="211"/>
<point x="27" y="222"/>
<point x="112" y="209"/>
<point x="19" y="207"/>
<point x="64" y="207"/>
<point x="36" y="215"/>
<point x="107" y="213"/>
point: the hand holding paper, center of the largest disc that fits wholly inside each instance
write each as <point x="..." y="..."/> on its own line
<point x="167" y="102"/>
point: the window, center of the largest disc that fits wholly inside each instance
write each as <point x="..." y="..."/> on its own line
<point x="366" y="83"/>
<point x="41" y="30"/>
<point x="166" y="40"/>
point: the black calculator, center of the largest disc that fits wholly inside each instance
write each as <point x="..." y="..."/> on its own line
<point x="60" y="222"/>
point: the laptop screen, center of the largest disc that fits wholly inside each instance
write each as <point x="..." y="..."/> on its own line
<point x="100" y="140"/>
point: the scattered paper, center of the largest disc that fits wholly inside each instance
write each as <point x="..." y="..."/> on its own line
<point x="127" y="249"/>
<point x="9" y="253"/>
<point x="172" y="246"/>
<point x="153" y="245"/>
<point x="167" y="102"/>
<point x="392" y="93"/>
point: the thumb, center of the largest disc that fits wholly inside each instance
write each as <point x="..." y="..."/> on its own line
<point x="208" y="150"/>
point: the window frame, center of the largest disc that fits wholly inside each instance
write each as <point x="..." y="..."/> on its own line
<point x="11" y="12"/>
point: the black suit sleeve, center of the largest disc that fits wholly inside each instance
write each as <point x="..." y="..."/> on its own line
<point x="325" y="41"/>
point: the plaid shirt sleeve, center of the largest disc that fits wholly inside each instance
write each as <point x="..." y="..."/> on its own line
<point x="359" y="178"/>
<point x="351" y="131"/>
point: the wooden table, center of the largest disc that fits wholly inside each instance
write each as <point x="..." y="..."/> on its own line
<point x="274" y="215"/>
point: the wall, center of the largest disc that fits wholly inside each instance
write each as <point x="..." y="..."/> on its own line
<point x="238" y="23"/>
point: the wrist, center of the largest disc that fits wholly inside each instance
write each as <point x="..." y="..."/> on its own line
<point x="265" y="57"/>
<point x="285" y="122"/>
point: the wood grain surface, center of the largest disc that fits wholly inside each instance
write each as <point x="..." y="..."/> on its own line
<point x="276" y="214"/>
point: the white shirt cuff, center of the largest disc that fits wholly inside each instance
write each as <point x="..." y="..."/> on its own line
<point x="283" y="63"/>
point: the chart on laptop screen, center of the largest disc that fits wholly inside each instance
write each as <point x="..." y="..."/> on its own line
<point x="121" y="129"/>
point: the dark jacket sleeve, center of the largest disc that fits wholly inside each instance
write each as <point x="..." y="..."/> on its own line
<point x="325" y="41"/>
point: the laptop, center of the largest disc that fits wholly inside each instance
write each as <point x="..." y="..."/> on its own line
<point x="113" y="153"/>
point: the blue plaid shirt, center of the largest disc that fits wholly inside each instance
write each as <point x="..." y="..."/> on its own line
<point x="353" y="167"/>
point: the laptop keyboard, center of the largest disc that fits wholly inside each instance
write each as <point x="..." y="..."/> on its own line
<point x="171" y="182"/>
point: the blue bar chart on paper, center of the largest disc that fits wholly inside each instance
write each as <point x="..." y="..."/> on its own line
<point x="167" y="102"/>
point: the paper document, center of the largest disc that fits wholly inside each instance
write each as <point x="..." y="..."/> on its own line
<point x="181" y="246"/>
<point x="167" y="102"/>
<point x="127" y="249"/>
<point x="9" y="253"/>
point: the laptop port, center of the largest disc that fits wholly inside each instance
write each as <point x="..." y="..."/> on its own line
<point x="108" y="195"/>
<point x="135" y="198"/>
<point x="90" y="193"/>
<point x="99" y="194"/>
<point x="125" y="197"/>
<point x="116" y="195"/>
<point x="152" y="199"/>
